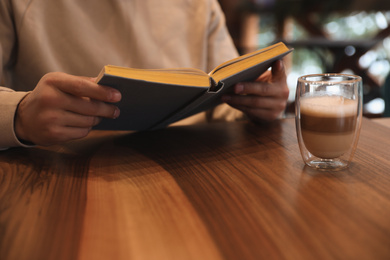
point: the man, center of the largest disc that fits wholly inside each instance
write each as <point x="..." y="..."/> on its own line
<point x="50" y="50"/>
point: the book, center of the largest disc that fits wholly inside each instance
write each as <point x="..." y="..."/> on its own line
<point x="155" y="98"/>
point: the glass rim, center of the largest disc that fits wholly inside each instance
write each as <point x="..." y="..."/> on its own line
<point x="345" y="78"/>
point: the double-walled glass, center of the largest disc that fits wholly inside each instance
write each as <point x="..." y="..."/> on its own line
<point x="328" y="119"/>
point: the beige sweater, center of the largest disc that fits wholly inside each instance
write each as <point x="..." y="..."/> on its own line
<point x="80" y="36"/>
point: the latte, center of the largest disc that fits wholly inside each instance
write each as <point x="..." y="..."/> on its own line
<point x="328" y="125"/>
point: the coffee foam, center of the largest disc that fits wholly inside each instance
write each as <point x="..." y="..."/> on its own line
<point x="328" y="106"/>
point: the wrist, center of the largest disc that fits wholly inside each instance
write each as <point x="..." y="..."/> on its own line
<point x="19" y="130"/>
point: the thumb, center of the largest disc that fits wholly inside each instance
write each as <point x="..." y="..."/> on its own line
<point x="278" y="71"/>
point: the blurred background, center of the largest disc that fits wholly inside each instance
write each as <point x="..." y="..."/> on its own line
<point x="345" y="36"/>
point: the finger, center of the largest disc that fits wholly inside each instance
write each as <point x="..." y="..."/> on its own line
<point x="85" y="87"/>
<point x="274" y="74"/>
<point x="59" y="126"/>
<point x="70" y="119"/>
<point x="55" y="133"/>
<point x="278" y="71"/>
<point x="61" y="134"/>
<point x="89" y="107"/>
<point x="263" y="89"/>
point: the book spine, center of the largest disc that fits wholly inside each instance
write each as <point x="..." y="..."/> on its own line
<point x="194" y="107"/>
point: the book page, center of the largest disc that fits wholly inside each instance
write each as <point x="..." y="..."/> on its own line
<point x="244" y="62"/>
<point x="176" y="76"/>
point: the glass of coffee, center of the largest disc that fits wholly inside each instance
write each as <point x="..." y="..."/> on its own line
<point x="328" y="113"/>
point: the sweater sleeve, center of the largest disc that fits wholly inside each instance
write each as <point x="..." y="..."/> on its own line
<point x="9" y="99"/>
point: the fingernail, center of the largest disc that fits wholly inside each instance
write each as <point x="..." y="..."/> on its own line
<point x="116" y="113"/>
<point x="115" y="96"/>
<point x="279" y="65"/>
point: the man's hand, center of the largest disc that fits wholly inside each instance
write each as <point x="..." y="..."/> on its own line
<point x="63" y="107"/>
<point x="264" y="99"/>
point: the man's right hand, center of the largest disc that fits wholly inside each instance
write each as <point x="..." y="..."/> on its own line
<point x="63" y="107"/>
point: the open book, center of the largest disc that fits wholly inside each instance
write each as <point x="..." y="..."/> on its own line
<point x="155" y="98"/>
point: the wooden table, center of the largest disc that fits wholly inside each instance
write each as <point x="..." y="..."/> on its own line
<point x="385" y="121"/>
<point x="217" y="191"/>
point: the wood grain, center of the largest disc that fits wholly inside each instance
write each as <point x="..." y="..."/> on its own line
<point x="385" y="121"/>
<point x="217" y="191"/>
